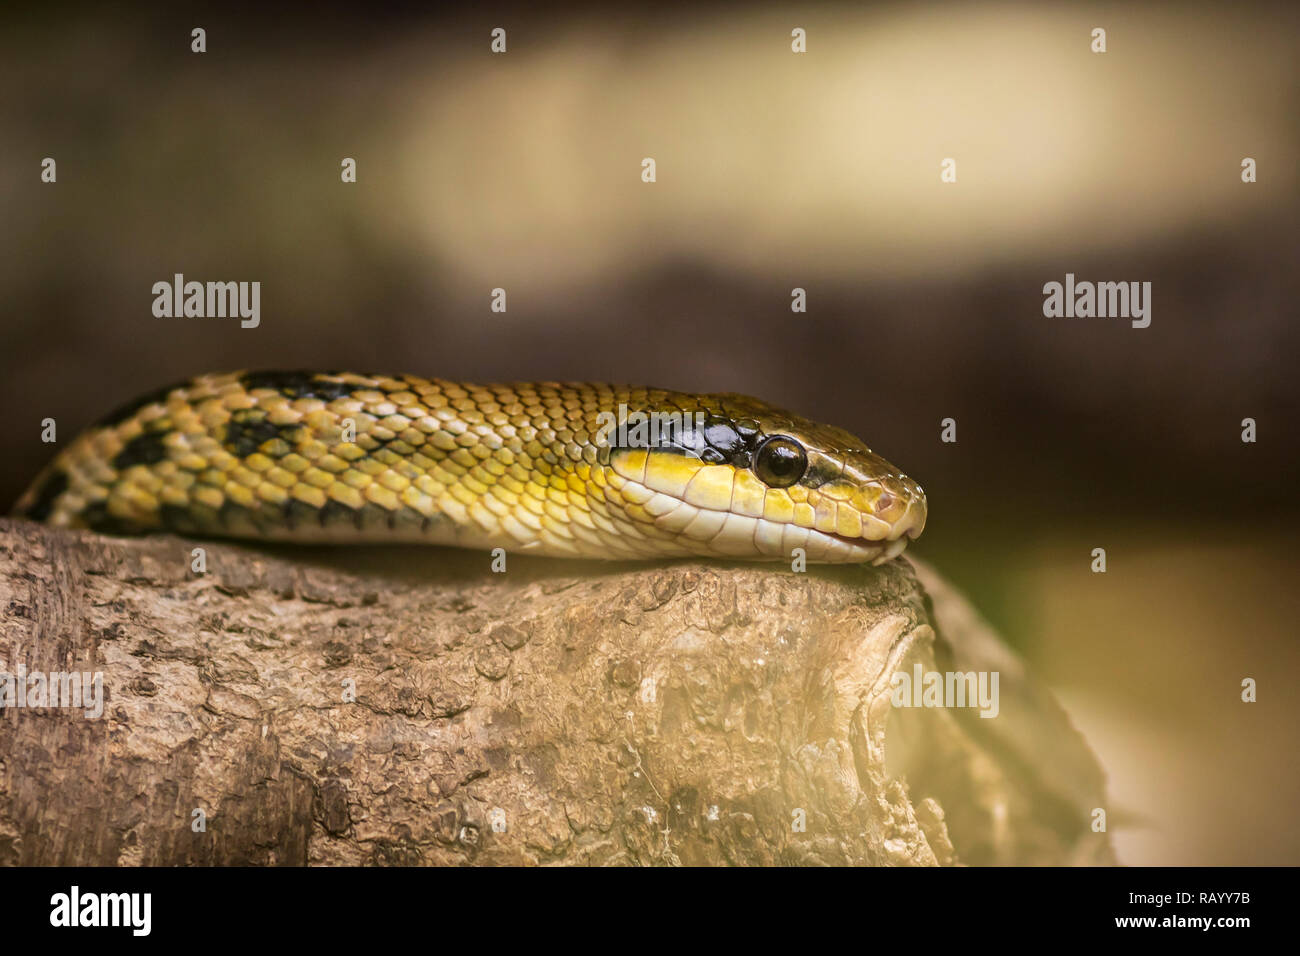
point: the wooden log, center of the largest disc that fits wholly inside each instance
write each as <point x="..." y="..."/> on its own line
<point x="300" y="706"/>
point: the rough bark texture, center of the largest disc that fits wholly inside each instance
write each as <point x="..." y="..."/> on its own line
<point x="560" y="712"/>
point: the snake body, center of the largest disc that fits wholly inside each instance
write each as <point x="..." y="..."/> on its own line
<point x="543" y="468"/>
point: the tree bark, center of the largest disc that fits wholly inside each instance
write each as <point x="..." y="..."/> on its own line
<point x="559" y="712"/>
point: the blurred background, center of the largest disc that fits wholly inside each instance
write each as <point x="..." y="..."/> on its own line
<point x="775" y="170"/>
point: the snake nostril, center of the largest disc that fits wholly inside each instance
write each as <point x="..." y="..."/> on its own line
<point x="884" y="502"/>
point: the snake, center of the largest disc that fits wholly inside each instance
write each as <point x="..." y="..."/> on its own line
<point x="563" y="469"/>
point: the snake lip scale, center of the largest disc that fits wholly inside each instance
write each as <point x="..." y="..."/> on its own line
<point x="345" y="457"/>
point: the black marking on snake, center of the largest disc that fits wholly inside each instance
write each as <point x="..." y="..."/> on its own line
<point x="818" y="474"/>
<point x="678" y="437"/>
<point x="144" y="449"/>
<point x="177" y="518"/>
<point x="248" y="429"/>
<point x="300" y="383"/>
<point x="723" y="436"/>
<point x="298" y="513"/>
<point x="334" y="513"/>
<point x="97" y="518"/>
<point x="121" y="414"/>
<point x="53" y="486"/>
<point x="735" y="440"/>
<point x="233" y="515"/>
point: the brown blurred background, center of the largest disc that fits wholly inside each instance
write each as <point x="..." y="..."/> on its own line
<point x="775" y="170"/>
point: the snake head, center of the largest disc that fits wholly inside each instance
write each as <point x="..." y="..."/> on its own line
<point x="744" y="479"/>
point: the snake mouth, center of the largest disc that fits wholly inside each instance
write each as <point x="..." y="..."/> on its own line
<point x="876" y="551"/>
<point x="901" y="532"/>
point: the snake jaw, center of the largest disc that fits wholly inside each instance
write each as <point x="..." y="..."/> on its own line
<point x="906" y="527"/>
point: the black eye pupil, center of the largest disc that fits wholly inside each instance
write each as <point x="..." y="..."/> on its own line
<point x="780" y="462"/>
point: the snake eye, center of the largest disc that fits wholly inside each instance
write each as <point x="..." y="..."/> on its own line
<point x="780" y="462"/>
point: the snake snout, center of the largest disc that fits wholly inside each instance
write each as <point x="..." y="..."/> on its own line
<point x="899" y="503"/>
<point x="912" y="523"/>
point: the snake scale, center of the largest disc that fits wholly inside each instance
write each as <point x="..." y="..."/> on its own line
<point x="561" y="469"/>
